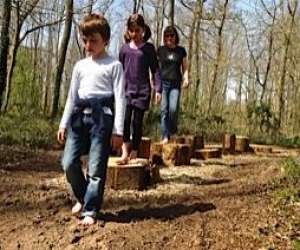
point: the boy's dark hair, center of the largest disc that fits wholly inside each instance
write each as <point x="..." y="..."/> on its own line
<point x="95" y="23"/>
<point x="137" y="20"/>
<point x="172" y="31"/>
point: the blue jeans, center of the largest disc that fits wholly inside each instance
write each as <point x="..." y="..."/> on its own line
<point x="92" y="133"/>
<point x="169" y="108"/>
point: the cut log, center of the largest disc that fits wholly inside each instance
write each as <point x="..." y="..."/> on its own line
<point x="207" y="153"/>
<point x="198" y="142"/>
<point x="156" y="153"/>
<point x="176" y="154"/>
<point x="241" y="144"/>
<point x="228" y="143"/>
<point x="261" y="149"/>
<point x="130" y="176"/>
<point x="144" y="148"/>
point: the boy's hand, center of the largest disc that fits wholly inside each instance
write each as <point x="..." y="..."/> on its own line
<point x="116" y="141"/>
<point x="61" y="135"/>
<point x="157" y="98"/>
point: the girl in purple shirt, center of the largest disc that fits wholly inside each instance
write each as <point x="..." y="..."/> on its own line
<point x="137" y="57"/>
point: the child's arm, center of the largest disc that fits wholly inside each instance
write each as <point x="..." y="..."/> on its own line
<point x="119" y="96"/>
<point x="185" y="80"/>
<point x="154" y="68"/>
<point x="72" y="95"/>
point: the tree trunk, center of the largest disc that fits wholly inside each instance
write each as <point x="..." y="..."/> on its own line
<point x="4" y="45"/>
<point x="62" y="56"/>
<point x="218" y="58"/>
<point x="171" y="12"/>
<point x="159" y="12"/>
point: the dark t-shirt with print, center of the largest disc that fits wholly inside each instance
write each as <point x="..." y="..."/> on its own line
<point x="170" y="60"/>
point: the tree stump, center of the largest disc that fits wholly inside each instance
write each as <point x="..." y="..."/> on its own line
<point x="176" y="154"/>
<point x="198" y="142"/>
<point x="130" y="176"/>
<point x="241" y="144"/>
<point x="207" y="153"/>
<point x="144" y="148"/>
<point x="228" y="143"/>
<point x="156" y="153"/>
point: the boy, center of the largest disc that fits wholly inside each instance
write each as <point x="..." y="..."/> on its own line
<point x="95" y="106"/>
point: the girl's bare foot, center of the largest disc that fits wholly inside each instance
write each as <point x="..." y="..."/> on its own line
<point x="165" y="141"/>
<point x="133" y="154"/>
<point x="125" y="155"/>
<point x="76" y="209"/>
<point x="87" y="221"/>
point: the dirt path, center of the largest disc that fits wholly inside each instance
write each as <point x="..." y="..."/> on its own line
<point x="217" y="205"/>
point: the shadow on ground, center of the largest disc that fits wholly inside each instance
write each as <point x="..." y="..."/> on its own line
<point x="163" y="213"/>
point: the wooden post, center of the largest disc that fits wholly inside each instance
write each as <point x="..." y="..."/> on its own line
<point x="242" y="144"/>
<point x="228" y="143"/>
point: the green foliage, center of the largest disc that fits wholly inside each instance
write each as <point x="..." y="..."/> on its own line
<point x="292" y="170"/>
<point x="26" y="93"/>
<point x="152" y="123"/>
<point x="262" y="115"/>
<point x="297" y="244"/>
<point x="291" y="178"/>
<point x="27" y="130"/>
<point x="211" y="126"/>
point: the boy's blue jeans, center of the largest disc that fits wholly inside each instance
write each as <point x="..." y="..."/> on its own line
<point x="169" y="108"/>
<point x="88" y="132"/>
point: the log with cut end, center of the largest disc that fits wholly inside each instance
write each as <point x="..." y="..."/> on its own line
<point x="207" y="153"/>
<point x="241" y="144"/>
<point x="156" y="153"/>
<point x="144" y="148"/>
<point x="129" y="176"/>
<point x="261" y="149"/>
<point x="228" y="143"/>
<point x="198" y="142"/>
<point x="176" y="154"/>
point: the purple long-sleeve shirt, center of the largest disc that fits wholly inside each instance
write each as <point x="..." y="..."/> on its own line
<point x="136" y="65"/>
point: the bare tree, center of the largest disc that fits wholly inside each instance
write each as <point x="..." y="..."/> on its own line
<point x="218" y="57"/>
<point x="288" y="35"/>
<point x="21" y="12"/>
<point x="62" y="56"/>
<point x="171" y="12"/>
<point x="4" y="45"/>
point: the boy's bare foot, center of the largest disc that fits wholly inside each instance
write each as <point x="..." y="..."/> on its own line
<point x="76" y="209"/>
<point x="87" y="221"/>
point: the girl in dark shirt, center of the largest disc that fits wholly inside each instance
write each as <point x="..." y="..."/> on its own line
<point x="138" y="57"/>
<point x="174" y="75"/>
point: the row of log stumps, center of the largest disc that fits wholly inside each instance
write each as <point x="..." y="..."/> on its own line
<point x="137" y="174"/>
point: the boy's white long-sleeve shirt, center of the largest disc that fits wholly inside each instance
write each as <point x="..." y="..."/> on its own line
<point x="96" y="78"/>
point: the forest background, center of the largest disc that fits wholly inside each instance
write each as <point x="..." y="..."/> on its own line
<point x="244" y="60"/>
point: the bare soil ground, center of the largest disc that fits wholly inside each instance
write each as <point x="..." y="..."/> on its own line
<point x="216" y="204"/>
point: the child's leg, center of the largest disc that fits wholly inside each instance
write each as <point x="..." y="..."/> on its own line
<point x="164" y="112"/>
<point x="100" y="137"/>
<point x="174" y="98"/>
<point x="72" y="165"/>
<point x="126" y="136"/>
<point x="138" y="116"/>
